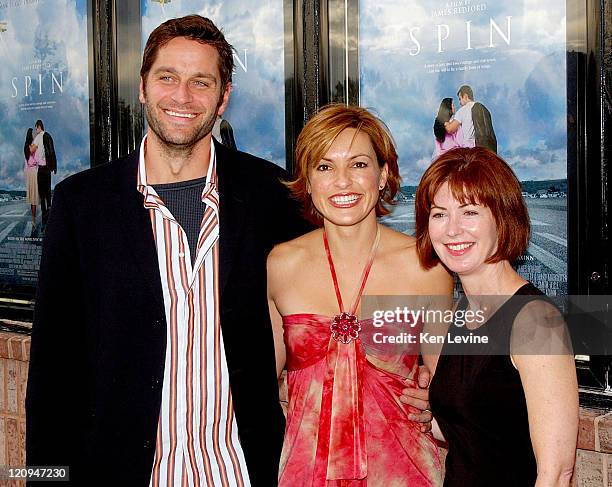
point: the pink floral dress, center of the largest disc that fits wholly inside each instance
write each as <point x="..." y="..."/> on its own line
<point x="345" y="424"/>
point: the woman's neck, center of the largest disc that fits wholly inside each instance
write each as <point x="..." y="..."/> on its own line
<point x="351" y="242"/>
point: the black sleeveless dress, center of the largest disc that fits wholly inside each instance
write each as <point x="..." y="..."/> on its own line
<point x="479" y="404"/>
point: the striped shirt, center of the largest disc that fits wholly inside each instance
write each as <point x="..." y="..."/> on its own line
<point x="197" y="437"/>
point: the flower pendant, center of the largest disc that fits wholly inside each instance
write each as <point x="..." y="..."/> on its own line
<point x="345" y="327"/>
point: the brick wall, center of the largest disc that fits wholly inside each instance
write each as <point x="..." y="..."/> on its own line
<point x="594" y="454"/>
<point x="14" y="357"/>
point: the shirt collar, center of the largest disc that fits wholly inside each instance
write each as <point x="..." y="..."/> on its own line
<point x="146" y="190"/>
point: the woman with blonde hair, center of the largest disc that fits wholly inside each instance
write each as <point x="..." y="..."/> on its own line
<point x="345" y="424"/>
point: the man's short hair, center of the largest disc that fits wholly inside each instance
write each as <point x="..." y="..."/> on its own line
<point x="39" y="124"/>
<point x="466" y="90"/>
<point x="196" y="28"/>
<point x="319" y="134"/>
<point x="476" y="176"/>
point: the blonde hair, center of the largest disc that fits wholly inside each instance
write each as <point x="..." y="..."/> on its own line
<point x="319" y="134"/>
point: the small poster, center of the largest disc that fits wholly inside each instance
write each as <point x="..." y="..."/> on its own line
<point x="510" y="57"/>
<point x="44" y="79"/>
<point x="254" y="121"/>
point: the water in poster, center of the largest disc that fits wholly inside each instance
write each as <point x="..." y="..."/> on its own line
<point x="512" y="55"/>
<point x="256" y="111"/>
<point x="44" y="76"/>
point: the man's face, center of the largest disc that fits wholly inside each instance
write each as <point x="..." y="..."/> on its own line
<point x="463" y="99"/>
<point x="38" y="129"/>
<point x="182" y="93"/>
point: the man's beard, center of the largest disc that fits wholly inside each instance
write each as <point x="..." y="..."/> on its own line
<point x="176" y="141"/>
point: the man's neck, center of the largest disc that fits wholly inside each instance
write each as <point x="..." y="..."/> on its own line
<point x="166" y="164"/>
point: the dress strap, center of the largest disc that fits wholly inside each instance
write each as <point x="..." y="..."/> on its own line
<point x="364" y="275"/>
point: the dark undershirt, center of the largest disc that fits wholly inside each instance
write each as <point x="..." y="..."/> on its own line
<point x="184" y="200"/>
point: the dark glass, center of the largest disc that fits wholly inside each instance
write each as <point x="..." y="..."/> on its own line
<point x="589" y="111"/>
<point x="293" y="78"/>
<point x="130" y="117"/>
<point x="589" y="49"/>
<point x="343" y="42"/>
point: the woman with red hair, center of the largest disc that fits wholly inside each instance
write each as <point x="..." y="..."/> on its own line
<point x="345" y="423"/>
<point x="507" y="406"/>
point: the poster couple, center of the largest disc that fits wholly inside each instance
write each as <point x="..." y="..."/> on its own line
<point x="470" y="126"/>
<point x="40" y="162"/>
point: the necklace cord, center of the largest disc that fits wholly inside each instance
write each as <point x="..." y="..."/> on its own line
<point x="364" y="275"/>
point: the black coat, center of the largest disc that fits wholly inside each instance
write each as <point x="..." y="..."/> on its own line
<point x="483" y="127"/>
<point x="50" y="157"/>
<point x="99" y="333"/>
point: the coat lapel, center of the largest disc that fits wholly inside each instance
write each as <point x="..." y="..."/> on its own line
<point x="232" y="211"/>
<point x="136" y="225"/>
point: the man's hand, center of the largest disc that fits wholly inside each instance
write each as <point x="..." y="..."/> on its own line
<point x="419" y="398"/>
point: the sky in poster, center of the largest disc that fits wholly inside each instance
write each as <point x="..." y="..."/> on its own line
<point x="43" y="37"/>
<point x="256" y="30"/>
<point x="522" y="83"/>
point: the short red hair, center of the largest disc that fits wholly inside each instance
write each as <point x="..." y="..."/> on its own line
<point x="319" y="134"/>
<point x="475" y="176"/>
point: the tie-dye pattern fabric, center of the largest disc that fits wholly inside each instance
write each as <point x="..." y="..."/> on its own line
<point x="345" y="424"/>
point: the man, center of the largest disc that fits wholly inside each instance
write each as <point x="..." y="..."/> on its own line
<point x="47" y="163"/>
<point x="475" y="120"/>
<point x="141" y="323"/>
<point x="152" y="359"/>
<point x="224" y="133"/>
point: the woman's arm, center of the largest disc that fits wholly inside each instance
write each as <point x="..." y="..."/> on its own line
<point x="452" y="126"/>
<point x="439" y="285"/>
<point x="275" y="316"/>
<point x="439" y="302"/>
<point x="551" y="392"/>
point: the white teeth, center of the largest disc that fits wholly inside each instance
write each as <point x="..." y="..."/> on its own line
<point x="341" y="200"/>
<point x="182" y="115"/>
<point x="459" y="247"/>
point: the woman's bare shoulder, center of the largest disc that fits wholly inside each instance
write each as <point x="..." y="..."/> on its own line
<point x="397" y="240"/>
<point x="294" y="252"/>
<point x="437" y="280"/>
<point x="402" y="256"/>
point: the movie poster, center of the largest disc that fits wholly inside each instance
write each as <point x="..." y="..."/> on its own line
<point x="512" y="56"/>
<point x="44" y="76"/>
<point x="255" y="117"/>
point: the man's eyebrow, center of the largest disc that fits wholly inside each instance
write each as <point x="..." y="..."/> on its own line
<point x="169" y="69"/>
